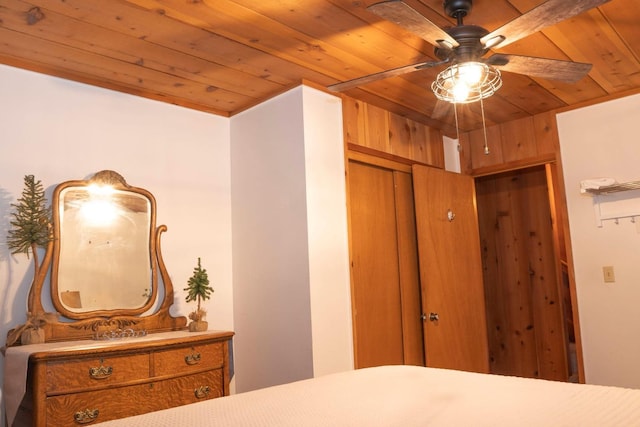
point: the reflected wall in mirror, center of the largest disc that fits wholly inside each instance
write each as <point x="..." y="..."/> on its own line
<point x="103" y="247"/>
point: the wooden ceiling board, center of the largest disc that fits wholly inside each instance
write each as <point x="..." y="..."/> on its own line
<point x="111" y="44"/>
<point x="223" y="56"/>
<point x="157" y="29"/>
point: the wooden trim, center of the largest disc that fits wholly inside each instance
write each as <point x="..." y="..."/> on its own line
<point x="380" y="158"/>
<point x="561" y="202"/>
<point x="510" y="166"/>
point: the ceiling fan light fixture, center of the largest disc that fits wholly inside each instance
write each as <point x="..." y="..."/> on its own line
<point x="467" y="82"/>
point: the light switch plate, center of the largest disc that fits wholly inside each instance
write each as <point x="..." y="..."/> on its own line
<point x="607" y="272"/>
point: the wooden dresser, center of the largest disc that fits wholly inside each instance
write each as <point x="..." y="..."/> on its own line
<point x="99" y="381"/>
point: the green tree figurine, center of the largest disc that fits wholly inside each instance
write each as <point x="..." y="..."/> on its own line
<point x="30" y="229"/>
<point x="31" y="223"/>
<point x="198" y="289"/>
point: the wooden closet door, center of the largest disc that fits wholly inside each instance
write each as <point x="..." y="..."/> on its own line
<point x="450" y="270"/>
<point x="522" y="282"/>
<point x="384" y="273"/>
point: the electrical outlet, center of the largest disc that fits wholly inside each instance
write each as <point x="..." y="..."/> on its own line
<point x="609" y="276"/>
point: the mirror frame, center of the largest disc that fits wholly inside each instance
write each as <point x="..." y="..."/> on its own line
<point x="117" y="182"/>
<point x="90" y="324"/>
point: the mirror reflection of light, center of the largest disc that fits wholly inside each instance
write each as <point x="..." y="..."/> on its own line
<point x="99" y="211"/>
<point x="100" y="190"/>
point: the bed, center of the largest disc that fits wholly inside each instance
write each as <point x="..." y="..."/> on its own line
<point x="408" y="396"/>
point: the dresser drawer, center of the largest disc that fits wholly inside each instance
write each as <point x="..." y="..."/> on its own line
<point x="98" y="406"/>
<point x="67" y="376"/>
<point x="188" y="389"/>
<point x="188" y="359"/>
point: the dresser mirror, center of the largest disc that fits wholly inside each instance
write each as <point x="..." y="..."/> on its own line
<point x="102" y="250"/>
<point x="107" y="271"/>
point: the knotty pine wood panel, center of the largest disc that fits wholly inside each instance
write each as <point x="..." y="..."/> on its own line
<point x="415" y="141"/>
<point x="616" y="63"/>
<point x="518" y="140"/>
<point x="526" y="141"/>
<point x="413" y="339"/>
<point x="510" y="325"/>
<point x="353" y="122"/>
<point x="245" y="26"/>
<point x="376" y="300"/>
<point x="369" y="126"/>
<point x="545" y="279"/>
<point x="473" y="155"/>
<point x="524" y="308"/>
<point x="67" y="31"/>
<point x="546" y="133"/>
<point x="376" y="131"/>
<point x="154" y="27"/>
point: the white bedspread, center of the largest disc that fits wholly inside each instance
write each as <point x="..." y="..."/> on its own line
<point x="406" y="396"/>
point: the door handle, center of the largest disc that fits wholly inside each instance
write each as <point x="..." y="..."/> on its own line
<point x="434" y="317"/>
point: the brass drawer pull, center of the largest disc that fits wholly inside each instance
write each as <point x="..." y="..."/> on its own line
<point x="201" y="392"/>
<point x="192" y="359"/>
<point x="101" y="372"/>
<point x="87" y="416"/>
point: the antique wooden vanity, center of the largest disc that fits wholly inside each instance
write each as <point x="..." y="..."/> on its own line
<point x="113" y="350"/>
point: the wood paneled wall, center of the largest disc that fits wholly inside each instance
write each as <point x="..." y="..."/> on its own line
<point x="370" y="128"/>
<point x="522" y="289"/>
<point x="512" y="145"/>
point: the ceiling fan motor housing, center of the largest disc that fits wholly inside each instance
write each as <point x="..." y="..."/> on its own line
<point x="470" y="49"/>
<point x="457" y="8"/>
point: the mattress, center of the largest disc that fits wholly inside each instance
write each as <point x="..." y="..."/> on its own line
<point x="406" y="396"/>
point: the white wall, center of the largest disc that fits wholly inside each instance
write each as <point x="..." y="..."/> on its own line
<point x="451" y="154"/>
<point x="602" y="141"/>
<point x="329" y="280"/>
<point x="58" y="130"/>
<point x="290" y="257"/>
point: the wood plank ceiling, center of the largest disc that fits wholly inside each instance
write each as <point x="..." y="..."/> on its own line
<point x="223" y="56"/>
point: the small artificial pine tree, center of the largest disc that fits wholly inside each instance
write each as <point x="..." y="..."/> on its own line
<point x="30" y="228"/>
<point x="198" y="289"/>
<point x="31" y="223"/>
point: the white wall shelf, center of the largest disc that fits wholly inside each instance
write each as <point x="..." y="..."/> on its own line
<point x="615" y="188"/>
<point x="615" y="202"/>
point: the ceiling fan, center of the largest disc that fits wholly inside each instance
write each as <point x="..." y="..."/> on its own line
<point x="464" y="47"/>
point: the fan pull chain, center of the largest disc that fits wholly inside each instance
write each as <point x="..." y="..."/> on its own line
<point x="484" y="129"/>
<point x="455" y="114"/>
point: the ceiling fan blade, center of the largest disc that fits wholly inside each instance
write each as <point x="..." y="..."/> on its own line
<point x="402" y="14"/>
<point x="552" y="69"/>
<point x="339" y="87"/>
<point x="548" y="13"/>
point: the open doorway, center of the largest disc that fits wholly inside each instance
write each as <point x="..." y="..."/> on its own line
<point x="526" y="287"/>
